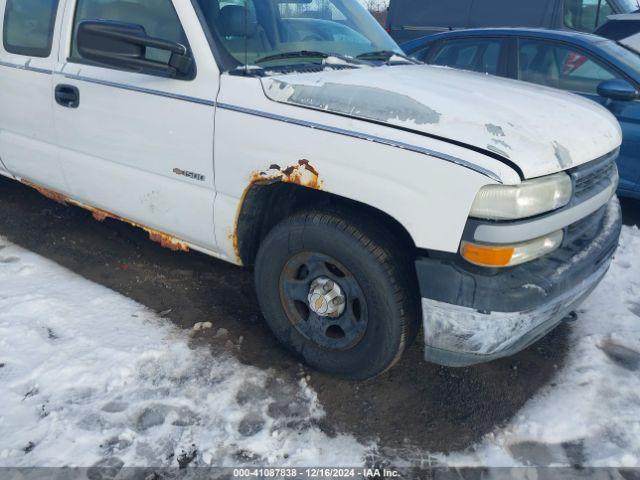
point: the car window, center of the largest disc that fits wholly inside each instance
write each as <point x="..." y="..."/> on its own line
<point x="422" y="53"/>
<point x="158" y="17"/>
<point x="28" y="27"/>
<point x="477" y="54"/>
<point x="586" y="15"/>
<point x="560" y="66"/>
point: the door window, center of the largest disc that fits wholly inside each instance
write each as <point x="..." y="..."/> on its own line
<point x="559" y="66"/>
<point x="586" y="15"/>
<point x="28" y="27"/>
<point x="477" y="54"/>
<point x="422" y="53"/>
<point x="158" y="17"/>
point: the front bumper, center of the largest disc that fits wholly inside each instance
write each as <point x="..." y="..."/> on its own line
<point x="474" y="315"/>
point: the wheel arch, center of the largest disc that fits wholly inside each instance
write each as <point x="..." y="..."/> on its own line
<point x="265" y="205"/>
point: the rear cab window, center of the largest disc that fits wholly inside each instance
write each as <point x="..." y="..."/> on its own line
<point x="28" y="27"/>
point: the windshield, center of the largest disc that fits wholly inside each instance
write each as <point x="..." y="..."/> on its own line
<point x="293" y="32"/>
<point x="629" y="6"/>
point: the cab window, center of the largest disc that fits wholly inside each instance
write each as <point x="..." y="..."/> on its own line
<point x="560" y="66"/>
<point x="586" y="15"/>
<point x="158" y="17"/>
<point x="238" y="25"/>
<point x="28" y="27"/>
<point x="477" y="54"/>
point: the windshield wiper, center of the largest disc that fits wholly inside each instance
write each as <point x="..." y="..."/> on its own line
<point x="308" y="54"/>
<point x="386" y="56"/>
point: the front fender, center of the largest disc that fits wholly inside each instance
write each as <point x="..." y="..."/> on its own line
<point x="429" y="196"/>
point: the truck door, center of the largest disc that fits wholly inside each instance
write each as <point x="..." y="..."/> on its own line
<point x="27" y="58"/>
<point x="139" y="145"/>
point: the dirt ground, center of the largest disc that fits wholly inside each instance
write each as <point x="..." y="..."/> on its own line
<point x="416" y="407"/>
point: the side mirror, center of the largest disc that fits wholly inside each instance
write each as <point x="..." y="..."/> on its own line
<point x="124" y="45"/>
<point x="618" y="89"/>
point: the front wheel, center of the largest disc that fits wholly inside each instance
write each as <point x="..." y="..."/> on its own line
<point x="337" y="292"/>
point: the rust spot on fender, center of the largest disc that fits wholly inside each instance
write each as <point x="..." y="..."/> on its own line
<point x="303" y="174"/>
<point x="164" y="239"/>
<point x="233" y="238"/>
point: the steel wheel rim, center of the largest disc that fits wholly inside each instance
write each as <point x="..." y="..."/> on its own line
<point x="341" y="332"/>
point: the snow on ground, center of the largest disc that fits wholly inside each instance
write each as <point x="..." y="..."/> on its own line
<point x="88" y="375"/>
<point x="590" y="414"/>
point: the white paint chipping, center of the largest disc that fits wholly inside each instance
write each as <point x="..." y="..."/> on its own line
<point x="542" y="130"/>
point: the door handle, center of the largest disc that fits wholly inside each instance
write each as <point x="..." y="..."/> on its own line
<point x="68" y="96"/>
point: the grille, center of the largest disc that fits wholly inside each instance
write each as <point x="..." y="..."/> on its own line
<point x="591" y="179"/>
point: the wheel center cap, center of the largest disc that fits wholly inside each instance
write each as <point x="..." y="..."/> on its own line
<point x="326" y="298"/>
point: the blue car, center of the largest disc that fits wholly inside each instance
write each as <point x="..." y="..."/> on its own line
<point x="600" y="69"/>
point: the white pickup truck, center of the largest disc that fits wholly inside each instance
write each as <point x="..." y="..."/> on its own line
<point x="371" y="194"/>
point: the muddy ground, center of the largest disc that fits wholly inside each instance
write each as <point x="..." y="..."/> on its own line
<point x="416" y="407"/>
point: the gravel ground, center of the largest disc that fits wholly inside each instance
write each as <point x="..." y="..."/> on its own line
<point x="416" y="407"/>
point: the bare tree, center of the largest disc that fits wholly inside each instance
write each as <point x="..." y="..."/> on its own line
<point x="375" y="5"/>
<point x="378" y="9"/>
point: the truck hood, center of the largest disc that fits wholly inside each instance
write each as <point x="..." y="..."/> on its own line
<point x="540" y="130"/>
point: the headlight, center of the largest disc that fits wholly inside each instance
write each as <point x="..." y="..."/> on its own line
<point x="510" y="255"/>
<point x="530" y="198"/>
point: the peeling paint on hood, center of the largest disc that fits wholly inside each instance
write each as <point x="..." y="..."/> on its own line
<point x="541" y="130"/>
<point x="372" y="103"/>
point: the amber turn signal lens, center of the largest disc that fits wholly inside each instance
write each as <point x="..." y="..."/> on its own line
<point x="487" y="256"/>
<point x="511" y="255"/>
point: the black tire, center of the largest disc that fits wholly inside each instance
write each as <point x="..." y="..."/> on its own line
<point x="379" y="274"/>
